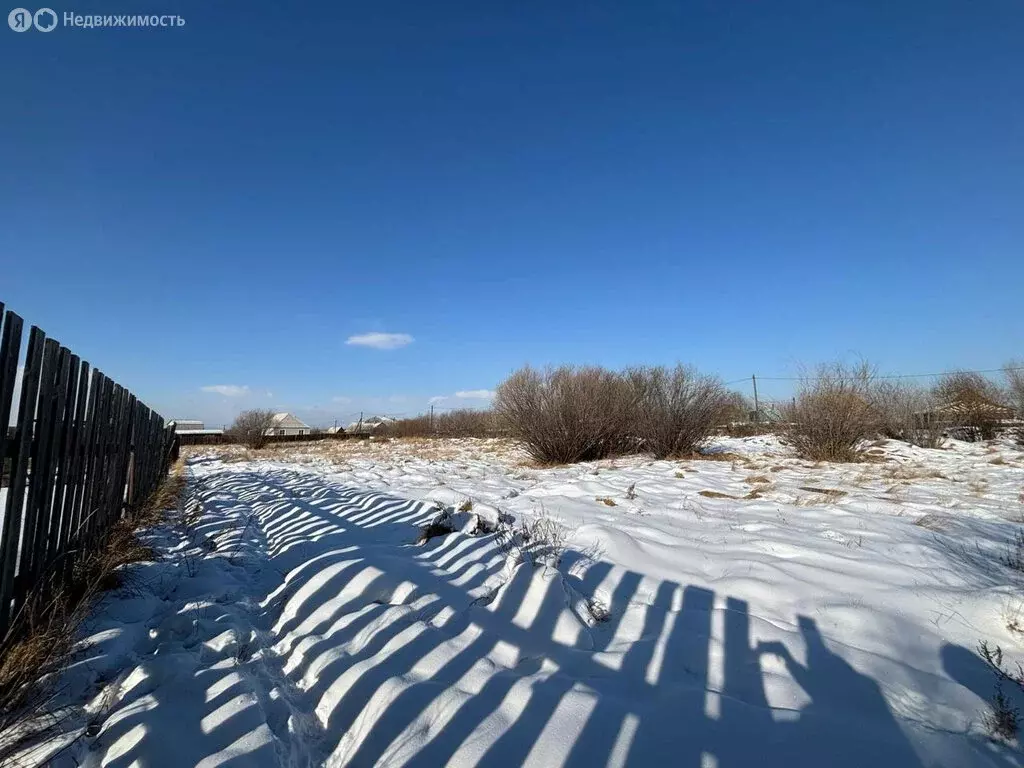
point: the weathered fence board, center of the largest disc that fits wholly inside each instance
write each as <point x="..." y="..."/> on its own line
<point x="84" y="453"/>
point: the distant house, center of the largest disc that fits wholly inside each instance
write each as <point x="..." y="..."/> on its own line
<point x="368" y="426"/>
<point x="335" y="430"/>
<point x="968" y="411"/>
<point x="287" y="424"/>
<point x="187" y="425"/>
<point x="193" y="427"/>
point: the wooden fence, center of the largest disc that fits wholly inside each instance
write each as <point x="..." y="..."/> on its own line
<point x="84" y="453"/>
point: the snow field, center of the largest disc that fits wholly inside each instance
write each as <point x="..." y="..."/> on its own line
<point x="760" y="610"/>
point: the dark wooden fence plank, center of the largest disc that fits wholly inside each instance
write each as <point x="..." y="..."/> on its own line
<point x="84" y="454"/>
<point x="97" y="462"/>
<point x="13" y="534"/>
<point x="73" y="493"/>
<point x="41" y="473"/>
<point x="59" y="452"/>
<point x="10" y="347"/>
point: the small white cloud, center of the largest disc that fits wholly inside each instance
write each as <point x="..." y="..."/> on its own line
<point x="475" y="394"/>
<point x="228" y="390"/>
<point x="341" y="400"/>
<point x="380" y="340"/>
<point x="437" y="399"/>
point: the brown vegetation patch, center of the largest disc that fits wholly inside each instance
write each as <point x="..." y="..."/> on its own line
<point x="716" y="495"/>
<point x="834" y="492"/>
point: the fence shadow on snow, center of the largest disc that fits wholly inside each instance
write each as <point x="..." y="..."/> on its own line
<point x="435" y="654"/>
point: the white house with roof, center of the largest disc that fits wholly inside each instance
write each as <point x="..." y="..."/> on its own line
<point x="368" y="426"/>
<point x="288" y="424"/>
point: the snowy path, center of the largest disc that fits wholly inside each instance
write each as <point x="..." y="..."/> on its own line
<point x="299" y="624"/>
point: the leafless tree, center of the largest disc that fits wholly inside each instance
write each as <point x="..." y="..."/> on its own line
<point x="1014" y="372"/>
<point x="971" y="403"/>
<point x="251" y="427"/>
<point x="906" y="411"/>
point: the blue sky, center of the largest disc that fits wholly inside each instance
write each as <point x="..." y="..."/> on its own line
<point x="746" y="187"/>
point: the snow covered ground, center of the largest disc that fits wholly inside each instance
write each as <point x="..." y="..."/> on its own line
<point x="751" y="610"/>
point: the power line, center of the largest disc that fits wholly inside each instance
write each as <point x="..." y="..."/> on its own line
<point x="896" y="376"/>
<point x="887" y="376"/>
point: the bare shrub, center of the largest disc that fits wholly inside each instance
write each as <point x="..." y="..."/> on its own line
<point x="1014" y="373"/>
<point x="675" y="409"/>
<point x="906" y="412"/>
<point x="1004" y="719"/>
<point x="417" y="426"/>
<point x="970" y="404"/>
<point x="832" y="413"/>
<point x="251" y="428"/>
<point x="566" y="414"/>
<point x="461" y="422"/>
<point x="1014" y="555"/>
<point x="738" y="408"/>
<point x="538" y="541"/>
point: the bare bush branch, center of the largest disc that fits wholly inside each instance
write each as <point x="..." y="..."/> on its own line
<point x="906" y="412"/>
<point x="251" y="428"/>
<point x="676" y="409"/>
<point x="833" y="412"/>
<point x="971" y="404"/>
<point x="462" y="422"/>
<point x="567" y="414"/>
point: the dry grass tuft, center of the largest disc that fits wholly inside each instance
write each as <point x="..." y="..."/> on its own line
<point x="716" y="495"/>
<point x="40" y="643"/>
<point x="931" y="523"/>
<point x="757" y="479"/>
<point x="719" y="456"/>
<point x="832" y="492"/>
<point x="606" y="501"/>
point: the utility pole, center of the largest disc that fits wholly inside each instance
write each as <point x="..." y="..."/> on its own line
<point x="359" y="429"/>
<point x="431" y="418"/>
<point x="757" y="408"/>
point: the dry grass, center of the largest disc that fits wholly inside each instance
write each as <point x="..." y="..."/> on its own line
<point x="832" y="492"/>
<point x="40" y="643"/>
<point x="719" y="456"/>
<point x="606" y="501"/>
<point x="907" y="472"/>
<point x="716" y="495"/>
<point x="757" y="479"/>
<point x="931" y="523"/>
